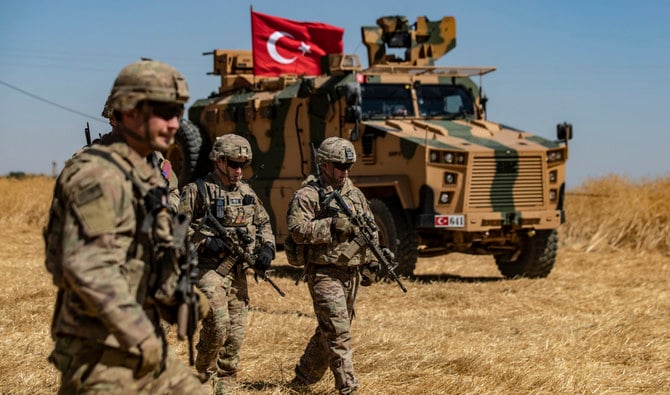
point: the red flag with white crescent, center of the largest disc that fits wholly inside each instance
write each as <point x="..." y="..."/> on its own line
<point x="283" y="46"/>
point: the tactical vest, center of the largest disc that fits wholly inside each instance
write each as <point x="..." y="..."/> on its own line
<point x="234" y="211"/>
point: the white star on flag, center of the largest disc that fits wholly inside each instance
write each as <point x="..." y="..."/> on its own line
<point x="304" y="48"/>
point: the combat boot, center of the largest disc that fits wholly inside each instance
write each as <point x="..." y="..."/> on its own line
<point x="298" y="385"/>
<point x="225" y="384"/>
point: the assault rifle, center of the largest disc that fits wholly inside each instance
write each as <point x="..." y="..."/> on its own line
<point x="366" y="226"/>
<point x="366" y="231"/>
<point x="187" y="299"/>
<point x="237" y="250"/>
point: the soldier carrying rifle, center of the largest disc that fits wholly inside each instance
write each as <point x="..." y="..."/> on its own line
<point x="327" y="240"/>
<point x="231" y="231"/>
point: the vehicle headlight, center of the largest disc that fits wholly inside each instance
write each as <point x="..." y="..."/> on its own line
<point x="445" y="197"/>
<point x="555" y="155"/>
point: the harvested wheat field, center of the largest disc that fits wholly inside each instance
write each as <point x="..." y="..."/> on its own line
<point x="598" y="324"/>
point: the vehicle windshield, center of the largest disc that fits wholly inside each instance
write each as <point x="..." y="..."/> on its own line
<point x="395" y="100"/>
<point x="386" y="100"/>
<point x="451" y="101"/>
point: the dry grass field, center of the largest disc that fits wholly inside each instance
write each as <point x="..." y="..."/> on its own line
<point x="599" y="324"/>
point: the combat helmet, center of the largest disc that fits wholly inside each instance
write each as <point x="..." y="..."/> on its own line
<point x="146" y="80"/>
<point x="107" y="110"/>
<point x="336" y="149"/>
<point x="231" y="146"/>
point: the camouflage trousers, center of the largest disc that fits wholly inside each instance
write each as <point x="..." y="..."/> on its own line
<point x="333" y="291"/>
<point x="88" y="367"/>
<point x="222" y="331"/>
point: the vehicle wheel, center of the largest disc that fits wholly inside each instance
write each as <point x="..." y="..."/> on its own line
<point x="537" y="257"/>
<point x="185" y="152"/>
<point x="396" y="234"/>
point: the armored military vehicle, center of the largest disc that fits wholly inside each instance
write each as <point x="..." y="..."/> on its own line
<point x="440" y="177"/>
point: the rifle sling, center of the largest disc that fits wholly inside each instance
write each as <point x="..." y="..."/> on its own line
<point x="227" y="265"/>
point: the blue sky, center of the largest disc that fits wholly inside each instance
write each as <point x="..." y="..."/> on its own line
<point x="602" y="65"/>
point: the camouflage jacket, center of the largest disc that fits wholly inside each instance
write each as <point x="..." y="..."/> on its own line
<point x="310" y="224"/>
<point x="157" y="159"/>
<point x="240" y="211"/>
<point x="99" y="248"/>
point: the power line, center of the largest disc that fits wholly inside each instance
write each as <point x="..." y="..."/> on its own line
<point x="34" y="96"/>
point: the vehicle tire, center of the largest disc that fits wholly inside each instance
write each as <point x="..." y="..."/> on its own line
<point x="396" y="234"/>
<point x="184" y="154"/>
<point x="537" y="257"/>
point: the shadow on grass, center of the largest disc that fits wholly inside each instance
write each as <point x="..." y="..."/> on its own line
<point x="291" y="272"/>
<point x="443" y="278"/>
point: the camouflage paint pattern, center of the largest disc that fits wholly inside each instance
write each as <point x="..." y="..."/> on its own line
<point x="509" y="181"/>
<point x="101" y="260"/>
<point x="223" y="330"/>
<point x="428" y="40"/>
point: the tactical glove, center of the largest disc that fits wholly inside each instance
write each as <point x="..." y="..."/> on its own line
<point x="343" y="229"/>
<point x="369" y="273"/>
<point x="151" y="356"/>
<point x="214" y="244"/>
<point x="391" y="258"/>
<point x="203" y="303"/>
<point x="264" y="258"/>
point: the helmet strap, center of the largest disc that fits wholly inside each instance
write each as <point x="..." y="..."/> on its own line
<point x="328" y="174"/>
<point x="128" y="133"/>
<point x="223" y="175"/>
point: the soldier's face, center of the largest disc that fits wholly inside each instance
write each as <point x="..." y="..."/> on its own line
<point x="163" y="124"/>
<point x="230" y="170"/>
<point x="156" y="131"/>
<point x="337" y="172"/>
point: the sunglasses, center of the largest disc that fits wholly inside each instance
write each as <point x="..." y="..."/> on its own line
<point x="342" y="166"/>
<point x="236" y="165"/>
<point x="166" y="111"/>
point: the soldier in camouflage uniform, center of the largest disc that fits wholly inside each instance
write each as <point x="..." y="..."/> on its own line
<point x="108" y="243"/>
<point x="234" y="205"/>
<point x="332" y="263"/>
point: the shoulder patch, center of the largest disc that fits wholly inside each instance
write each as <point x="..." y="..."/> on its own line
<point x="166" y="169"/>
<point x="88" y="194"/>
<point x="94" y="210"/>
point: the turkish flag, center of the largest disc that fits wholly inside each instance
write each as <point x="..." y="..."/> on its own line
<point x="283" y="46"/>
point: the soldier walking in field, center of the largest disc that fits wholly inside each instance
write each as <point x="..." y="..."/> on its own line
<point x="232" y="232"/>
<point x="325" y="238"/>
<point x="109" y="248"/>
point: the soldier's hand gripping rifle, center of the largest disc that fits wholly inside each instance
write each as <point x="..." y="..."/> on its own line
<point x="366" y="226"/>
<point x="366" y="232"/>
<point x="237" y="250"/>
<point x="187" y="298"/>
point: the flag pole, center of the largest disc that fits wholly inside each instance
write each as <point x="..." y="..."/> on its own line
<point x="251" y="15"/>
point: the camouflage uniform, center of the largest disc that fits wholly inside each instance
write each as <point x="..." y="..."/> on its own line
<point x="108" y="231"/>
<point x="332" y="274"/>
<point x="223" y="277"/>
